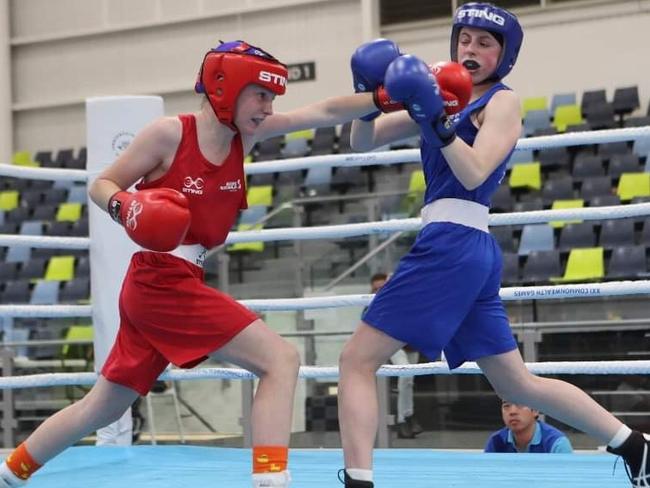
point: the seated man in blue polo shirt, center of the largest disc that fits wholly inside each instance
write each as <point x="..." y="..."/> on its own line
<point x="524" y="433"/>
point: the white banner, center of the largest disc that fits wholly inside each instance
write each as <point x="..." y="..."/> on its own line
<point x="111" y="124"/>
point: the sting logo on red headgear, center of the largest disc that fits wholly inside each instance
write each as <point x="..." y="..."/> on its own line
<point x="229" y="67"/>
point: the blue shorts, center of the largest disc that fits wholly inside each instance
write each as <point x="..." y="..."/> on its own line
<point x="444" y="295"/>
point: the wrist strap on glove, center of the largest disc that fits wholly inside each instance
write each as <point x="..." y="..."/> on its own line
<point x="445" y="130"/>
<point x="115" y="206"/>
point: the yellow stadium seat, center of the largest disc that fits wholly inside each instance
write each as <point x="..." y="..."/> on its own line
<point x="78" y="351"/>
<point x="68" y="212"/>
<point x="533" y="103"/>
<point x="526" y="175"/>
<point x="300" y="134"/>
<point x="417" y="183"/>
<point x="412" y="201"/>
<point x="9" y="199"/>
<point x="260" y="195"/>
<point x="247" y="246"/>
<point x="23" y="158"/>
<point x="584" y="264"/>
<point x="567" y="115"/>
<point x="60" y="268"/>
<point x="564" y="204"/>
<point x="633" y="185"/>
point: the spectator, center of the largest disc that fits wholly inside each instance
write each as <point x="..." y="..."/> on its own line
<point x="525" y="433"/>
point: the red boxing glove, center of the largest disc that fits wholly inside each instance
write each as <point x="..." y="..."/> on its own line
<point x="383" y="101"/>
<point x="156" y="219"/>
<point x="455" y="84"/>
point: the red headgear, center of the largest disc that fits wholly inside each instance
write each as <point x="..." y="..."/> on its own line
<point x="229" y="67"/>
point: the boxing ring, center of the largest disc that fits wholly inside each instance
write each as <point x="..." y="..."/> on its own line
<point x="170" y="466"/>
<point x="173" y="466"/>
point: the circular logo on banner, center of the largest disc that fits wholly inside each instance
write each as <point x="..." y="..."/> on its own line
<point x="121" y="141"/>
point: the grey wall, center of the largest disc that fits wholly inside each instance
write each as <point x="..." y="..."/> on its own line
<point x="113" y="47"/>
<point x="575" y="47"/>
<point x="63" y="51"/>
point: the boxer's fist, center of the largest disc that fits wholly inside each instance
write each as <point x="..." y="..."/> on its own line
<point x="369" y="62"/>
<point x="156" y="219"/>
<point x="409" y="80"/>
<point x="383" y="101"/>
<point x="455" y="84"/>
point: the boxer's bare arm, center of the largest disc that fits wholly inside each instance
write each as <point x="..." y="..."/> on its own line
<point x="151" y="147"/>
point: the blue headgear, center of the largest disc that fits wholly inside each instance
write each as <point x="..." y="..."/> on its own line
<point x="495" y="20"/>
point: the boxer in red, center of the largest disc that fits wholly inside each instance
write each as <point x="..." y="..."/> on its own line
<point x="191" y="186"/>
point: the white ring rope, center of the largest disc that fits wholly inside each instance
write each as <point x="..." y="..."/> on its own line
<point x="55" y="174"/>
<point x="582" y="290"/>
<point x="44" y="241"/>
<point x="365" y="228"/>
<point x="553" y="367"/>
<point x="388" y="157"/>
<point x="363" y="159"/>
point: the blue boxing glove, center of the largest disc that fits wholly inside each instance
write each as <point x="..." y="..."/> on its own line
<point x="368" y="63"/>
<point x="409" y="80"/>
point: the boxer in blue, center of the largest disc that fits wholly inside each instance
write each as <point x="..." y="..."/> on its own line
<point x="444" y="295"/>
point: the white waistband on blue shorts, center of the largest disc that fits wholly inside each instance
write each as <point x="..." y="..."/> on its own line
<point x="194" y="253"/>
<point x="457" y="211"/>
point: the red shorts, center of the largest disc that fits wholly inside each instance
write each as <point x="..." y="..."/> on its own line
<point x="168" y="315"/>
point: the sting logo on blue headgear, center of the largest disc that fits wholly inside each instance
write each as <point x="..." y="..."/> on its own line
<point x="228" y="68"/>
<point x="495" y="20"/>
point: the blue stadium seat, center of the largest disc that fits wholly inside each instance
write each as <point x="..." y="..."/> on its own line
<point x="18" y="254"/>
<point x="587" y="165"/>
<point x="503" y="235"/>
<point x="601" y="116"/>
<point x="534" y="120"/>
<point x="596" y="186"/>
<point x="78" y="194"/>
<point x="524" y="156"/>
<point x="344" y="139"/>
<point x="295" y="148"/>
<point x="562" y="99"/>
<point x="536" y="237"/>
<point x="605" y="201"/>
<point x="628" y="262"/>
<point x="8" y="271"/>
<point x="502" y="199"/>
<point x="592" y="98"/>
<point x="45" y="292"/>
<point x="269" y="150"/>
<point x="541" y="266"/>
<point x="645" y="232"/>
<point x="323" y="141"/>
<point x="558" y="189"/>
<point x="623" y="163"/>
<point x="252" y="214"/>
<point x="510" y="269"/>
<point x="33" y="269"/>
<point x="577" y="235"/>
<point x="554" y="158"/>
<point x="31" y="228"/>
<point x="318" y="180"/>
<point x="75" y="290"/>
<point x="82" y="267"/>
<point x="15" y="291"/>
<point x="609" y="149"/>
<point x="626" y="100"/>
<point x="617" y="232"/>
